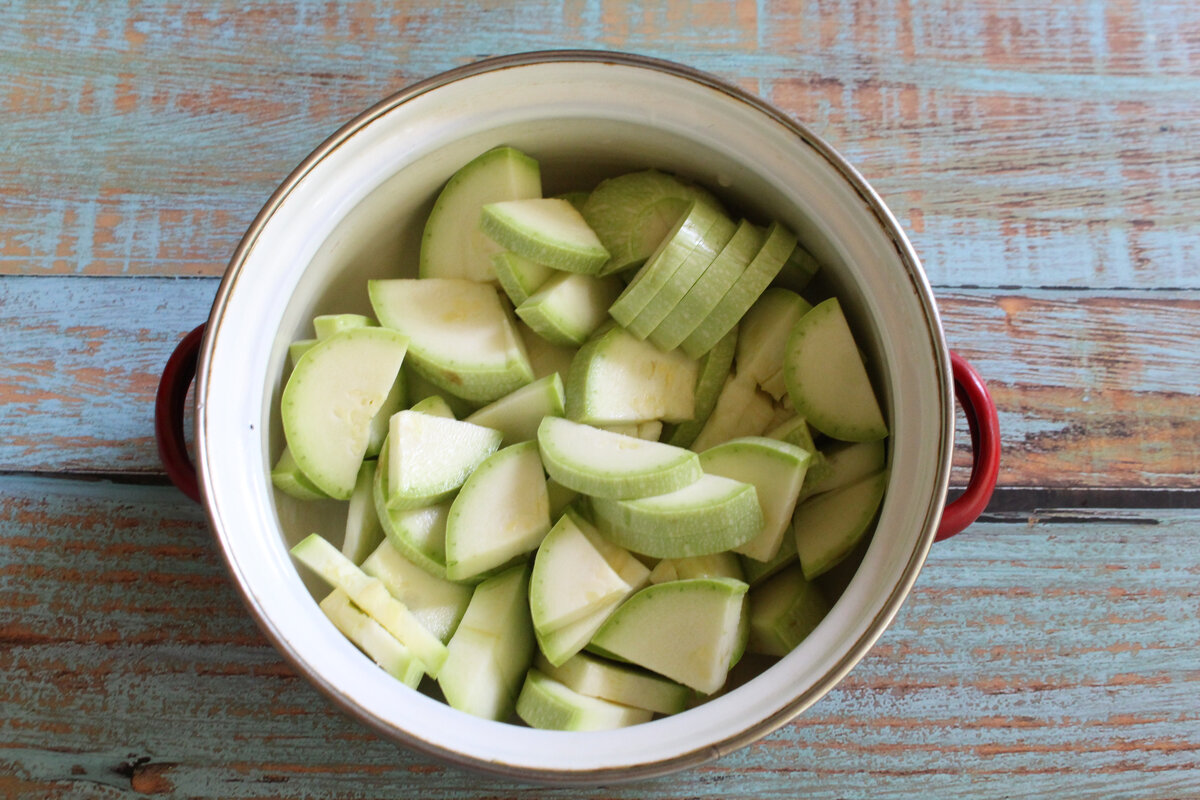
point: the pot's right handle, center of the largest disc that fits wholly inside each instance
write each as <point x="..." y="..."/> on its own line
<point x="984" y="425"/>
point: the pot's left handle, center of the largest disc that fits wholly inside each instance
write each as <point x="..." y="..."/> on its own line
<point x="168" y="413"/>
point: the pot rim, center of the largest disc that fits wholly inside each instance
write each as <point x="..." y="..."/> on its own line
<point x="853" y="653"/>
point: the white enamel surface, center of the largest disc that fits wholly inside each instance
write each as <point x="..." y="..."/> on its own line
<point x="357" y="214"/>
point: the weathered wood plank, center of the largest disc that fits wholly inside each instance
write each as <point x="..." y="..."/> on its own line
<point x="1041" y="656"/>
<point x="1025" y="143"/>
<point x="1025" y="146"/>
<point x="79" y="367"/>
<point x="1095" y="389"/>
<point x="1020" y="144"/>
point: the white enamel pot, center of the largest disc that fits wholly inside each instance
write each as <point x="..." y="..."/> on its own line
<point x="354" y="210"/>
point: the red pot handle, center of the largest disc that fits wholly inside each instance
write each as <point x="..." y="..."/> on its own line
<point x="984" y="425"/>
<point x="169" y="410"/>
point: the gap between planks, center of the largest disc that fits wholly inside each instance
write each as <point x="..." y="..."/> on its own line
<point x="1051" y="504"/>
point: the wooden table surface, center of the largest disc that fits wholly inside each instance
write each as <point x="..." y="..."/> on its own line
<point x="1044" y="159"/>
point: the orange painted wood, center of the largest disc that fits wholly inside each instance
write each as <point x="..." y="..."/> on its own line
<point x="1043" y="655"/>
<point x="1094" y="389"/>
<point x="1019" y="144"/>
<point x="1041" y="156"/>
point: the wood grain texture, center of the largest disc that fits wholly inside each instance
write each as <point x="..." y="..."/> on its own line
<point x="1037" y="656"/>
<point x="1094" y="389"/>
<point x="1020" y="143"/>
<point x="1042" y="158"/>
<point x="80" y="361"/>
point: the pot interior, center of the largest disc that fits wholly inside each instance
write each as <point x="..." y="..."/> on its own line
<point x="355" y="211"/>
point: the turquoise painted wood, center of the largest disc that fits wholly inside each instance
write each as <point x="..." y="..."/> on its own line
<point x="80" y="360"/>
<point x="1095" y="389"/>
<point x="1045" y="655"/>
<point x="1043" y="160"/>
<point x="1020" y="143"/>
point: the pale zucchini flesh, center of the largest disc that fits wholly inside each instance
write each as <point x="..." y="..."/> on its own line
<point x="473" y="680"/>
<point x="617" y="378"/>
<point x="626" y="564"/>
<point x="545" y="358"/>
<point x="684" y="630"/>
<point x="373" y="639"/>
<point x="430" y="457"/>
<point x="740" y="410"/>
<point x="776" y="470"/>
<point x="517" y="415"/>
<point x="746" y="289"/>
<point x="548" y="231"/>
<point x="708" y="516"/>
<point x="438" y="604"/>
<point x="827" y="380"/>
<point x="714" y="368"/>
<point x="298" y="348"/>
<point x="330" y="399"/>
<point x="571" y="578"/>
<point x="287" y="478"/>
<point x="395" y="401"/>
<point x="501" y="512"/>
<point x="830" y="525"/>
<point x="651" y="430"/>
<point x="435" y="406"/>
<point x="452" y="246"/>
<point x="715" y="565"/>
<point x="519" y="277"/>
<point x="764" y="331"/>
<point x="364" y="532"/>
<point x="557" y="646"/>
<point x="461" y="338"/>
<point x="373" y="598"/>
<point x="419" y="533"/>
<point x="844" y="464"/>
<point x="795" y="430"/>
<point x="618" y="683"/>
<point x="550" y="705"/>
<point x="491" y="649"/>
<point x="569" y="307"/>
<point x="326" y="325"/>
<point x="601" y="463"/>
